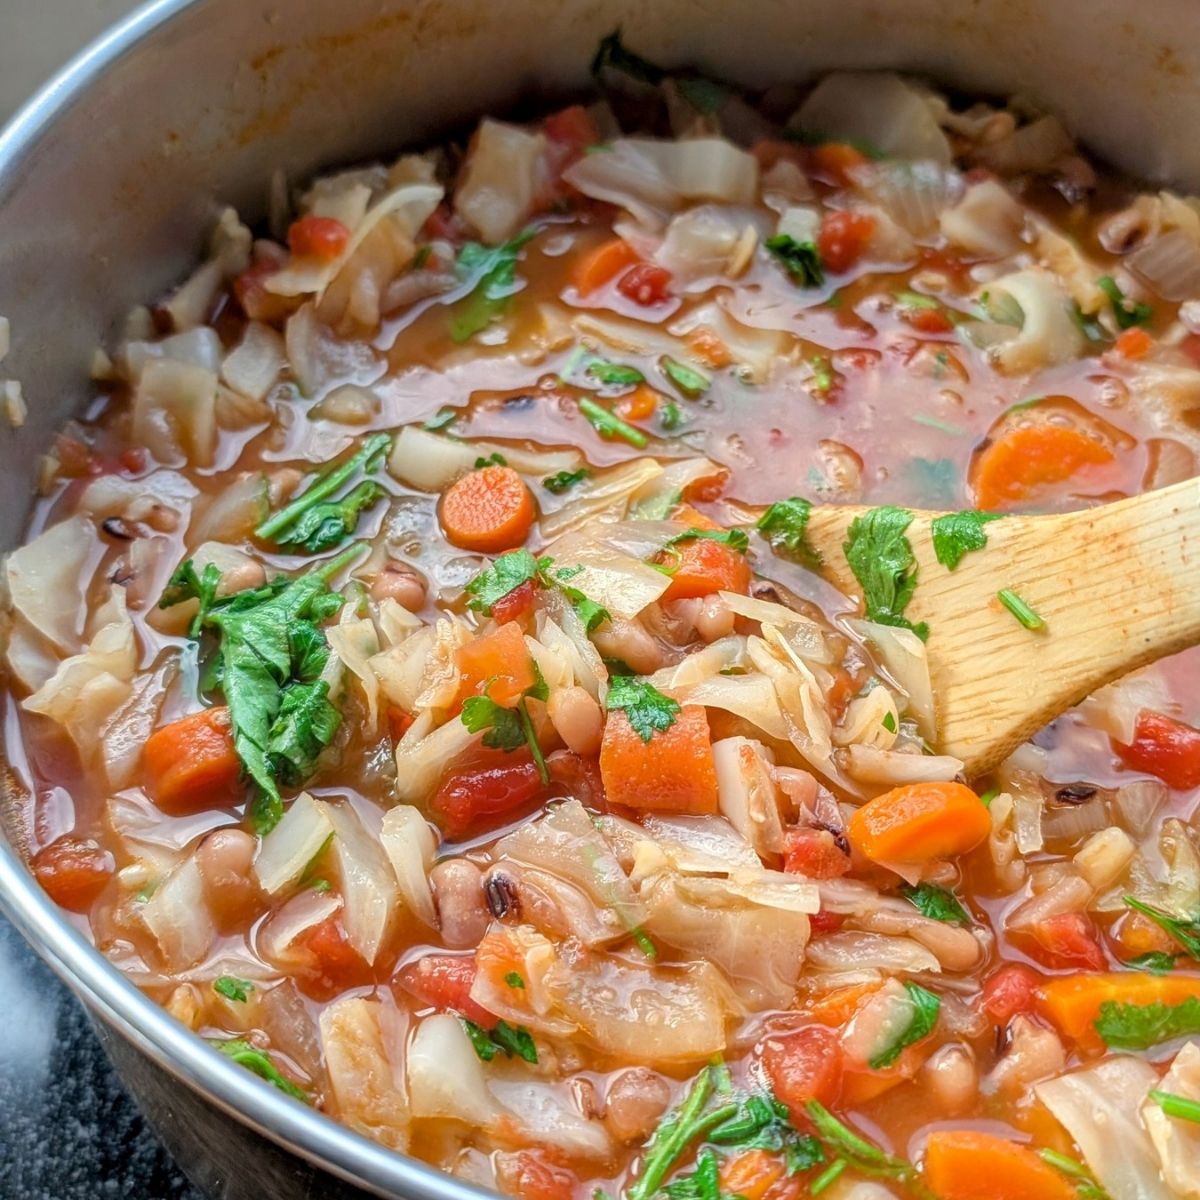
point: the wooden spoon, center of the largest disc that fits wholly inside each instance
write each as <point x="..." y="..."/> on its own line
<point x="1116" y="586"/>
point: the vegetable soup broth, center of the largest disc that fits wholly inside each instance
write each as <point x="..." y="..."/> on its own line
<point x="557" y="793"/>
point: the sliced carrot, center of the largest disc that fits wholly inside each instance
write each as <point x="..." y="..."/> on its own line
<point x="672" y="772"/>
<point x="861" y="1085"/>
<point x="919" y="823"/>
<point x="1025" y="462"/>
<point x="709" y="348"/>
<point x="640" y="404"/>
<point x="701" y="567"/>
<point x="750" y="1174"/>
<point x="322" y="238"/>
<point x="1072" y="1002"/>
<point x="692" y="517"/>
<point x="836" y="160"/>
<point x="489" y="510"/>
<point x="603" y="264"/>
<point x="838" y="1006"/>
<point x="191" y="764"/>
<point x="496" y="665"/>
<point x="1134" y="343"/>
<point x="965" y="1164"/>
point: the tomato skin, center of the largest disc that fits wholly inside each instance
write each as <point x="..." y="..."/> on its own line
<point x="322" y="238"/>
<point x="825" y="921"/>
<point x="444" y="981"/>
<point x="578" y="777"/>
<point x="516" y="604"/>
<point x="802" y="1066"/>
<point x="927" y="320"/>
<point x="73" y="871"/>
<point x="1069" y="940"/>
<point x="814" y="853"/>
<point x="531" y="1176"/>
<point x="336" y="964"/>
<point x="646" y="284"/>
<point x="1008" y="991"/>
<point x="399" y="722"/>
<point x="468" y="796"/>
<point x="843" y="238"/>
<point x="1164" y="747"/>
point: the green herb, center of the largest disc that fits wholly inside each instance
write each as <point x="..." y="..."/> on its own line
<point x="1179" y="1107"/>
<point x="646" y="708"/>
<point x="802" y="260"/>
<point x="1085" y="1182"/>
<point x="735" y="539"/>
<point x="564" y="480"/>
<point x="514" y="1041"/>
<point x="508" y="572"/>
<point x="1140" y="1026"/>
<point x="514" y="980"/>
<point x="617" y="666"/>
<point x="955" y="534"/>
<point x="785" y="525"/>
<point x="1088" y="326"/>
<point x="588" y="611"/>
<point x="934" y="423"/>
<point x="701" y="1184"/>
<point x="440" y="420"/>
<point x="1185" y="931"/>
<point x="1153" y="962"/>
<point x="917" y="300"/>
<point x="863" y="1156"/>
<point x="324" y="525"/>
<point x="926" y="1007"/>
<point x="830" y="1175"/>
<point x="493" y="460"/>
<point x="422" y="256"/>
<point x="609" y="425"/>
<point x="987" y="797"/>
<point x="823" y="377"/>
<point x="882" y="559"/>
<point x="507" y="728"/>
<point x="185" y="584"/>
<point x="704" y="95"/>
<point x="613" y="53"/>
<point x="614" y="373"/>
<point x="760" y="1122"/>
<point x="889" y="722"/>
<point x="321" y="885"/>
<point x="936" y="903"/>
<point x="670" y="416"/>
<point x="1020" y="609"/>
<point x="233" y="988"/>
<point x="493" y="270"/>
<point x="690" y="382"/>
<point x="253" y="1059"/>
<point x="1127" y="313"/>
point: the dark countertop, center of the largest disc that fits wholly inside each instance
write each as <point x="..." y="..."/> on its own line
<point x="68" y="1131"/>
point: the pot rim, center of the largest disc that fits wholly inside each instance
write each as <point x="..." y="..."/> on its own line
<point x="301" y="1130"/>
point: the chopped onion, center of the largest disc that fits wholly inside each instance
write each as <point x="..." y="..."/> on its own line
<point x="575" y="649"/>
<point x="1069" y="822"/>
<point x="396" y="623"/>
<point x="700" y="242"/>
<point x="163" y="494"/>
<point x="544" y="1117"/>
<point x="286" y="851"/>
<point x="1170" y="264"/>
<point x="48" y="577"/>
<point x="368" y="883"/>
<point x="602" y="496"/>
<point x="1048" y="334"/>
<point x="987" y="221"/>
<point x="499" y="183"/>
<point x="234" y="512"/>
<point x="319" y="358"/>
<point x="355" y="642"/>
<point x="30" y="657"/>
<point x="1034" y="147"/>
<point x="411" y="846"/>
<point x="401" y="668"/>
<point x="124" y="737"/>
<point x="424" y="755"/>
<point x="430" y="462"/>
<point x="746" y="793"/>
<point x="445" y="1077"/>
<point x="178" y="917"/>
<point x="700" y="845"/>
<point x="913" y="194"/>
<point x="1115" y="709"/>
<point x="198" y="347"/>
<point x="253" y="366"/>
<point x="1069" y="894"/>
<point x="175" y="411"/>
<point x="869" y="764"/>
<point x="1176" y="1141"/>
<point x="850" y="950"/>
<point x="903" y="655"/>
<point x="285" y="926"/>
<point x="1138" y="803"/>
<point x="620" y="583"/>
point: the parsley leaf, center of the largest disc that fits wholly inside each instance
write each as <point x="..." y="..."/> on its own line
<point x="1185" y="932"/>
<point x="616" y="374"/>
<point x="494" y="272"/>
<point x="1153" y="962"/>
<point x="954" y="534"/>
<point x="646" y="708"/>
<point x="609" y="425"/>
<point x="882" y="559"/>
<point x="306" y="724"/>
<point x="233" y="988"/>
<point x="1140" y="1026"/>
<point x="503" y="725"/>
<point x="802" y="260"/>
<point x="447" y="416"/>
<point x="925" y="1006"/>
<point x="1086" y="1185"/>
<point x="785" y="526"/>
<point x="185" y="584"/>
<point x="690" y="382"/>
<point x="564" y="480"/>
<point x="670" y="416"/>
<point x="936" y="903"/>
<point x="495" y="459"/>
<point x="325" y="525"/>
<point x="735" y="539"/>
<point x="863" y="1156"/>
<point x="514" y="980"/>
<point x="504" y="1037"/>
<point x="1128" y="314"/>
<point x="704" y="1183"/>
<point x="253" y="1059"/>
<point x="508" y="571"/>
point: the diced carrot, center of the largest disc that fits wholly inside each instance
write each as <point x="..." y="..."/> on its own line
<point x="1072" y="1002"/>
<point x="919" y="823"/>
<point x="750" y="1174"/>
<point x="496" y="665"/>
<point x="838" y="1006"/>
<point x="322" y="238"/>
<point x="489" y="510"/>
<point x="702" y="566"/>
<point x="603" y="264"/>
<point x="672" y="772"/>
<point x="191" y="764"/>
<point x="1133" y="343"/>
<point x="1025" y="462"/>
<point x="708" y="348"/>
<point x="836" y="160"/>
<point x="692" y="517"/>
<point x="965" y="1164"/>
<point x="73" y="871"/>
<point x="640" y="404"/>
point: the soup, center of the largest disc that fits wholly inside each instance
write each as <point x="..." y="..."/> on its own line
<point x="423" y="685"/>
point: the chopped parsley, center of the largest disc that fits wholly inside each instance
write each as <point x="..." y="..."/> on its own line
<point x="513" y="1041"/>
<point x="609" y="425"/>
<point x="1020" y="609"/>
<point x="508" y="728"/>
<point x="863" y="1156"/>
<point x="1127" y="313"/>
<point x="645" y="707"/>
<point x="735" y="539"/>
<point x="670" y="416"/>
<point x="889" y="722"/>
<point x="508" y="572"/>
<point x="690" y="382"/>
<point x="1186" y="931"/>
<point x="936" y="903"/>
<point x="785" y="526"/>
<point x="447" y="416"/>
<point x="1153" y="962"/>
<point x="514" y="980"/>
<point x="925" y="1006"/>
<point x="1179" y="1107"/>
<point x="801" y="260"/>
<point x="258" y="1061"/>
<point x="1086" y="1185"/>
<point x="956" y="534"/>
<point x="493" y="270"/>
<point x="233" y="988"/>
<point x="564" y="480"/>
<point x="1088" y="326"/>
<point x="1140" y="1026"/>
<point x="882" y="559"/>
<point x="616" y="374"/>
<point x="823" y="377"/>
<point x="495" y="459"/>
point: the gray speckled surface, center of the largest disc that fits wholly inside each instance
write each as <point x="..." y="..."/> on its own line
<point x="67" y="1129"/>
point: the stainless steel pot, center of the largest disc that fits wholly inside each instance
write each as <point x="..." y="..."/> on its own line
<point x="109" y="180"/>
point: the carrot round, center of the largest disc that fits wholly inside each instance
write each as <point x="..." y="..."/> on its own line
<point x="1023" y="463"/>
<point x="489" y="510"/>
<point x="191" y="764"/>
<point x="704" y="567"/>
<point x="604" y="263"/>
<point x="496" y="665"/>
<point x="919" y="823"/>
<point x="1072" y="1002"/>
<point x="672" y="772"/>
<point x="964" y="1164"/>
<point x="751" y="1174"/>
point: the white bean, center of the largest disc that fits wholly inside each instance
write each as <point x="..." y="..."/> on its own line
<point x="636" y="1099"/>
<point x="399" y="583"/>
<point x="628" y="641"/>
<point x="577" y="717"/>
<point x="462" y="911"/>
<point x="952" y="1078"/>
<point x="225" y="858"/>
<point x="714" y="619"/>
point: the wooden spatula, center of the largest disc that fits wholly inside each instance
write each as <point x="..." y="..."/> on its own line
<point x="1115" y="587"/>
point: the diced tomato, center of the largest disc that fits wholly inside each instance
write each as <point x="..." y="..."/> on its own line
<point x="467" y="797"/>
<point x="927" y="320"/>
<point x="825" y="921"/>
<point x="444" y="224"/>
<point x="1069" y="940"/>
<point x="337" y="965"/>
<point x="1166" y="748"/>
<point x="256" y="302"/>
<point x="444" y="981"/>
<point x="529" y="1175"/>
<point x="516" y="604"/>
<point x="133" y="460"/>
<point x="1134" y="343"/>
<point x="577" y="776"/>
<point x="572" y="127"/>
<point x="1008" y="991"/>
<point x="802" y="1066"/>
<point x="814" y="853"/>
<point x="399" y="722"/>
<point x="645" y="284"/>
<point x="1191" y="347"/>
<point x="322" y="238"/>
<point x="844" y="237"/>
<point x="73" y="871"/>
